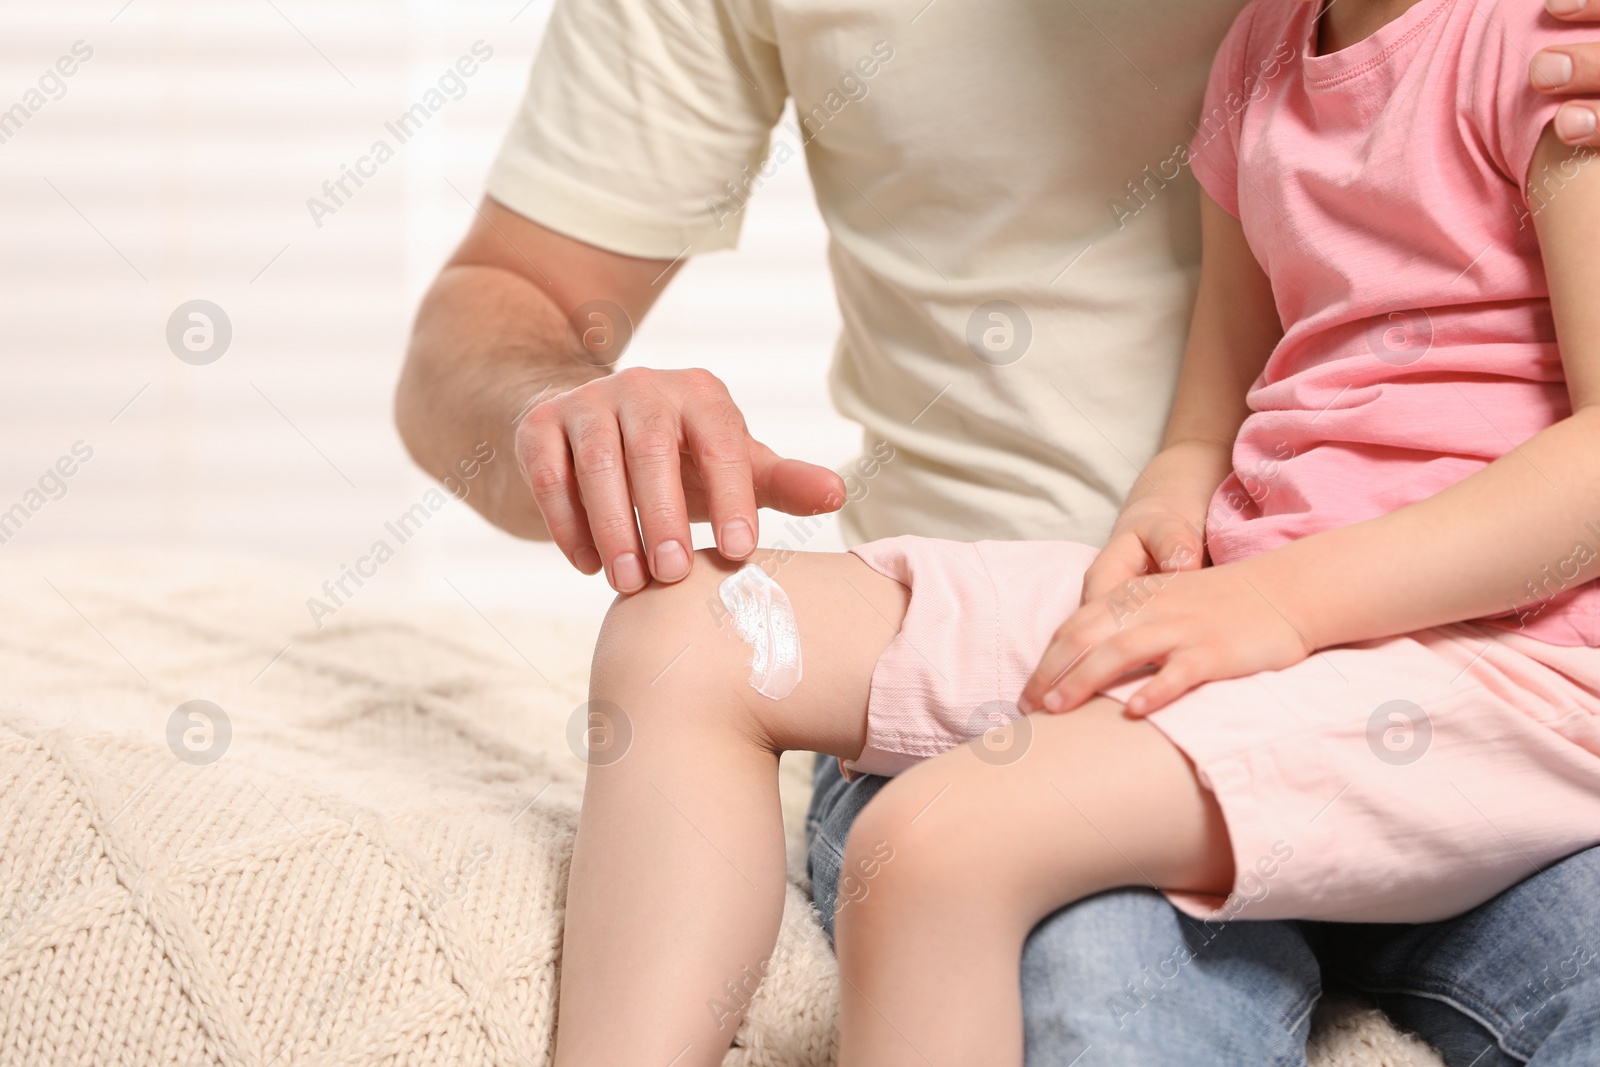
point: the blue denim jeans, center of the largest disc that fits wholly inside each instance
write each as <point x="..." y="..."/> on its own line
<point x="1123" y="979"/>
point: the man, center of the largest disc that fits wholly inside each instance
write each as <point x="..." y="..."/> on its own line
<point x="1013" y="245"/>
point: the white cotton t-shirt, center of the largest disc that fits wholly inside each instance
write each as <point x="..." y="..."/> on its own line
<point x="1014" y="240"/>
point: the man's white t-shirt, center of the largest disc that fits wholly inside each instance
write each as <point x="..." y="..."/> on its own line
<point x="1014" y="239"/>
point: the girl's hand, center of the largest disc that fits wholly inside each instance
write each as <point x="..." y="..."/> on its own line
<point x="1149" y="537"/>
<point x="1195" y="626"/>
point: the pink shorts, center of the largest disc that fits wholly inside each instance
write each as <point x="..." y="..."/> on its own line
<point x="1407" y="779"/>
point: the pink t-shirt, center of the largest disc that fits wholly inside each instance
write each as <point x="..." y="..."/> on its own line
<point x="1382" y="189"/>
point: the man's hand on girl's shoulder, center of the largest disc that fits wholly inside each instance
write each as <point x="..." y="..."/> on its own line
<point x="1573" y="70"/>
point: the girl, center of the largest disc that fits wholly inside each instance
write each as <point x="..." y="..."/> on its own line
<point x="1338" y="659"/>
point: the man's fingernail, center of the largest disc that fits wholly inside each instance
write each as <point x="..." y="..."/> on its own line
<point x="1564" y="7"/>
<point x="1551" y="70"/>
<point x="1575" y="122"/>
<point x="671" y="561"/>
<point x="626" y="573"/>
<point x="1052" y="701"/>
<point x="586" y="560"/>
<point x="738" y="540"/>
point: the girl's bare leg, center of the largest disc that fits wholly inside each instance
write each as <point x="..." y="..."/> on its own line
<point x="677" y="879"/>
<point x="979" y="850"/>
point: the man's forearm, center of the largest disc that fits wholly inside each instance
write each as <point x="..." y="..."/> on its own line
<point x="486" y="344"/>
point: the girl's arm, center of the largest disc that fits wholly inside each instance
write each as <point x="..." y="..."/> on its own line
<point x="1234" y="329"/>
<point x="1472" y="549"/>
<point x="1464" y="553"/>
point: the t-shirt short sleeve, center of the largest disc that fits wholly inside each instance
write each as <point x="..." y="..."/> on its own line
<point x="1214" y="152"/>
<point x="639" y="117"/>
<point x="1511" y="114"/>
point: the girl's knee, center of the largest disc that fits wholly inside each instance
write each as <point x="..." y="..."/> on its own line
<point x="908" y="869"/>
<point x="668" y="618"/>
<point x="914" y="838"/>
<point x="668" y="650"/>
<point x="887" y="865"/>
<point x="957" y="834"/>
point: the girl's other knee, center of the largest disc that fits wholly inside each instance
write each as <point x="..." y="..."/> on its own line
<point x="914" y="840"/>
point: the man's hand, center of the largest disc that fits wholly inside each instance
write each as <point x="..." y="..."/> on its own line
<point x="1573" y="70"/>
<point x="669" y="446"/>
<point x="502" y="355"/>
<point x="1194" y="626"/>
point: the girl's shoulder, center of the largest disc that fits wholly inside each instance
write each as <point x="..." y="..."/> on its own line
<point x="1267" y="26"/>
<point x="1510" y="31"/>
<point x="1266" y="35"/>
<point x="1496" y="41"/>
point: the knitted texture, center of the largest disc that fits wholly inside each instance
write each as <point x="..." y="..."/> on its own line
<point x="371" y="871"/>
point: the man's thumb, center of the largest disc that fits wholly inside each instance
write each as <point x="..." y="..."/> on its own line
<point x="793" y="486"/>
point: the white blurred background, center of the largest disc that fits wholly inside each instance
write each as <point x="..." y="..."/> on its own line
<point x="175" y="164"/>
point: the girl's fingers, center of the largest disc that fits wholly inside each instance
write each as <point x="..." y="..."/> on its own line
<point x="1101" y="665"/>
<point x="1179" y="675"/>
<point x="1065" y="648"/>
<point x="1122" y="560"/>
<point x="1176" y="546"/>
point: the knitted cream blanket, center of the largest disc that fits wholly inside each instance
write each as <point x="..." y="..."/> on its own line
<point x="354" y="853"/>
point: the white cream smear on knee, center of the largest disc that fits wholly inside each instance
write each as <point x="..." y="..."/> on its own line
<point x="761" y="614"/>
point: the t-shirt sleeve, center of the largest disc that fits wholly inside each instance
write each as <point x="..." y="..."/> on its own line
<point x="639" y="117"/>
<point x="1510" y="113"/>
<point x="1214" y="152"/>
